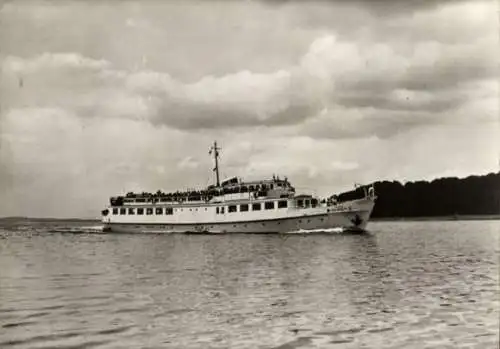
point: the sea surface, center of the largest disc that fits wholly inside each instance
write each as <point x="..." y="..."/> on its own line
<point x="402" y="285"/>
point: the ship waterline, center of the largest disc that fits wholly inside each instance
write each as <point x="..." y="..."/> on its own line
<point x="235" y="206"/>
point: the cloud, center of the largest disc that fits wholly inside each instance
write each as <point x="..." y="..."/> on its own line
<point x="236" y="100"/>
<point x="331" y="74"/>
<point x="242" y="99"/>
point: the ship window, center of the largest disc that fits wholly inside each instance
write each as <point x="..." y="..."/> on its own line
<point x="244" y="208"/>
<point x="314" y="202"/>
<point x="222" y="210"/>
<point x="231" y="208"/>
<point x="282" y="204"/>
<point x="149" y="211"/>
<point x="159" y="210"/>
<point x="300" y="203"/>
<point x="272" y="186"/>
<point x="123" y="211"/>
<point x="217" y="210"/>
<point x="115" y="211"/>
<point x="169" y="210"/>
<point x="251" y="188"/>
<point x="131" y="211"/>
<point x="140" y="211"/>
<point x="140" y="200"/>
<point x="269" y="205"/>
<point x="256" y="207"/>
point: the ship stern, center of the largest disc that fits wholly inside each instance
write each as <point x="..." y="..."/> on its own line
<point x="106" y="221"/>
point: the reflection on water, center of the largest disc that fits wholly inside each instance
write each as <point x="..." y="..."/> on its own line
<point x="404" y="285"/>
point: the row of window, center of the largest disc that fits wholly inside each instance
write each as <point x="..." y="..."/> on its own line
<point x="269" y="205"/>
<point x="307" y="203"/>
<point x="141" y="211"/>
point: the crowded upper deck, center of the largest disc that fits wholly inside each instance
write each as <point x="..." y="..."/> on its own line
<point x="275" y="187"/>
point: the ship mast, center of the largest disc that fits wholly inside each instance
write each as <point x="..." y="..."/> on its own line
<point x="215" y="150"/>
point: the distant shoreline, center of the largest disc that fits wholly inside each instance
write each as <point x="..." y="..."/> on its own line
<point x="34" y="219"/>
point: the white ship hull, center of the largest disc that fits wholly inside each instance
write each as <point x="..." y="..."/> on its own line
<point x="352" y="215"/>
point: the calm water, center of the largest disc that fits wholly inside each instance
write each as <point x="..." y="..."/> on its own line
<point x="404" y="285"/>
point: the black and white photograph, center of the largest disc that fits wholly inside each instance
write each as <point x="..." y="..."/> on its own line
<point x="249" y="174"/>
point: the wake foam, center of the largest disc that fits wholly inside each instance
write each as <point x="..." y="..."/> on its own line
<point x="78" y="229"/>
<point x="318" y="231"/>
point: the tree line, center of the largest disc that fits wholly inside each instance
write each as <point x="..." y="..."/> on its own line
<point x="474" y="195"/>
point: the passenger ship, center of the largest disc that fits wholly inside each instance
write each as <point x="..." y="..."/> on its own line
<point x="235" y="206"/>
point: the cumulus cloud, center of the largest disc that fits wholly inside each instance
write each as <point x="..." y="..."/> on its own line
<point x="241" y="99"/>
<point x="330" y="74"/>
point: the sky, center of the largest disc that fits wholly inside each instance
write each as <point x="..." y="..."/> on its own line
<point x="102" y="98"/>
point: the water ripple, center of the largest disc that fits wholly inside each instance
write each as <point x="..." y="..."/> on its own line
<point x="405" y="285"/>
<point x="37" y="339"/>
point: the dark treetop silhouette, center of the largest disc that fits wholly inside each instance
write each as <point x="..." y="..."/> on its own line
<point x="474" y="195"/>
